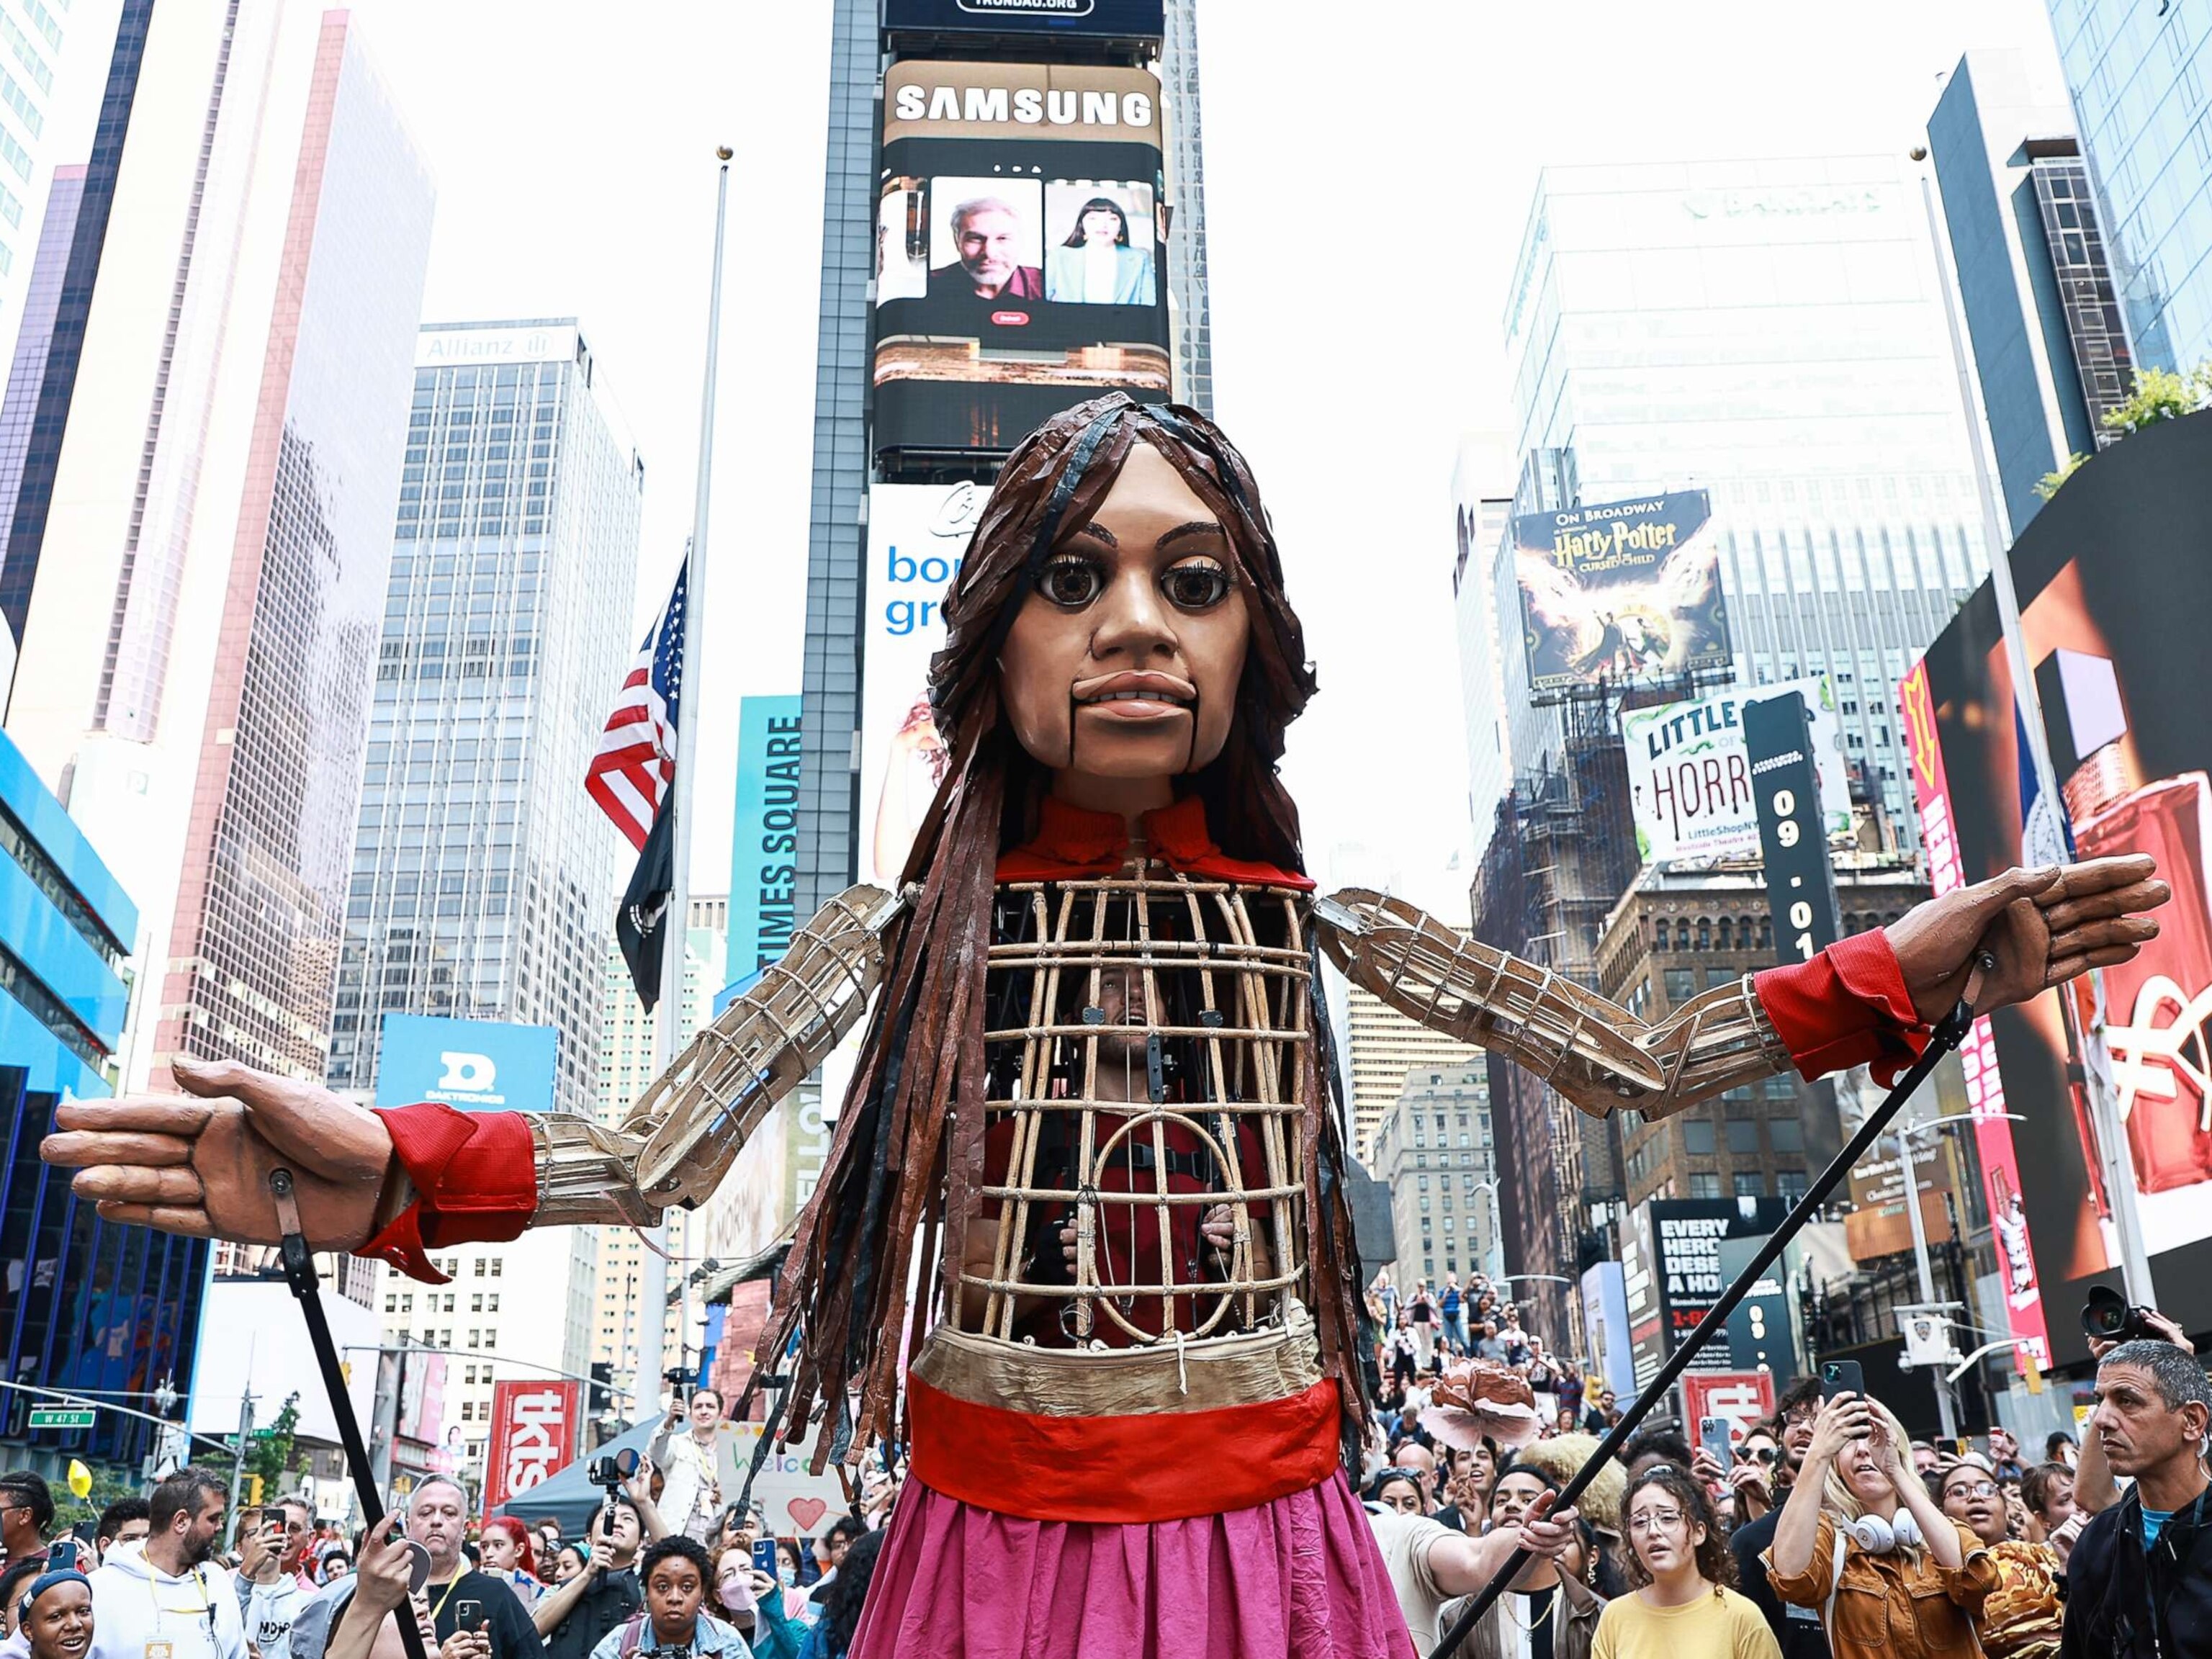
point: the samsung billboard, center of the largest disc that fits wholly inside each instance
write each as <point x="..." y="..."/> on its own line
<point x="1114" y="20"/>
<point x="1021" y="244"/>
<point x="477" y="1065"/>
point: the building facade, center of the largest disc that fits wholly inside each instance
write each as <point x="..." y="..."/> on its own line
<point x="195" y="677"/>
<point x="1381" y="1047"/>
<point x="1434" y="1151"/>
<point x="2049" y="353"/>
<point x="1482" y="511"/>
<point x="91" y="1306"/>
<point x="481" y="870"/>
<point x="26" y="372"/>
<point x="2138" y="75"/>
<point x="34" y="41"/>
<point x="1189" y="289"/>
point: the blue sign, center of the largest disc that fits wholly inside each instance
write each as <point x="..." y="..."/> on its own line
<point x="475" y="1063"/>
<point x="1120" y="20"/>
<point x="764" y="839"/>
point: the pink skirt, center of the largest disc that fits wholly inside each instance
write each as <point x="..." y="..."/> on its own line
<point x="1296" y="1579"/>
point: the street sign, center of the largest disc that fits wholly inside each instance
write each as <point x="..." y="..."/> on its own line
<point x="62" y="1417"/>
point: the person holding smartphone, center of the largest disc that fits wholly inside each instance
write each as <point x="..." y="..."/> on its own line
<point x="270" y="1591"/>
<point x="463" y="1601"/>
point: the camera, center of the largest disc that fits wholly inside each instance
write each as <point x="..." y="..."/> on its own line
<point x="611" y="1471"/>
<point x="2107" y="1316"/>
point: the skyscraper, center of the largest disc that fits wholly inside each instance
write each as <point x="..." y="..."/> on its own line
<point x="1433" y="1149"/>
<point x="482" y="873"/>
<point x="1382" y="1046"/>
<point x="1189" y="289"/>
<point x="2050" y="356"/>
<point x="1482" y="507"/>
<point x="2138" y="75"/>
<point x="32" y="66"/>
<point x="218" y="445"/>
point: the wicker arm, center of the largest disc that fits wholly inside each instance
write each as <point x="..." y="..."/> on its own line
<point x="1593" y="1052"/>
<point x="685" y="1131"/>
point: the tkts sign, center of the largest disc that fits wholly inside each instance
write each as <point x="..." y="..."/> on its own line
<point x="534" y="1427"/>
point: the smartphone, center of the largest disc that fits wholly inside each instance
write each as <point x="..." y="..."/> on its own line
<point x="468" y="1615"/>
<point x="1716" y="1435"/>
<point x="62" y="1555"/>
<point x="1841" y="1376"/>
<point x="764" y="1556"/>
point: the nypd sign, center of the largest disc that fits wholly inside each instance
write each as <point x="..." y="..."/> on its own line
<point x="473" y="1064"/>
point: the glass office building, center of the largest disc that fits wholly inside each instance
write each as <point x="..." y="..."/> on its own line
<point x="88" y="1306"/>
<point x="483" y="877"/>
<point x="1770" y="332"/>
<point x="2138" y="75"/>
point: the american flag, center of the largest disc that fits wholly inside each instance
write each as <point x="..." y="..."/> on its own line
<point x="635" y="766"/>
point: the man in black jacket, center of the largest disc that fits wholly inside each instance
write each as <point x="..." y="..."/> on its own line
<point x="2139" y="1580"/>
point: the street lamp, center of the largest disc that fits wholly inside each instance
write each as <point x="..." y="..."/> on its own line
<point x="1946" y="1407"/>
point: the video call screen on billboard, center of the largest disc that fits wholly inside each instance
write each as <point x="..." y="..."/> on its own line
<point x="1020" y="249"/>
<point x="1120" y="20"/>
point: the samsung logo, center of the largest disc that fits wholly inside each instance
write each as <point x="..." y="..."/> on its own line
<point x="1027" y="106"/>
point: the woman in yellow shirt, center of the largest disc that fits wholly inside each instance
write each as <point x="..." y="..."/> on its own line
<point x="1683" y="1604"/>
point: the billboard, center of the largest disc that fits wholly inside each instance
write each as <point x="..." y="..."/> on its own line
<point x="1620" y="593"/>
<point x="764" y="836"/>
<point x="1021" y="245"/>
<point x="1690" y="782"/>
<point x="2115" y="606"/>
<point x="485" y="1064"/>
<point x="1117" y="20"/>
<point x="1605" y="1325"/>
<point x="917" y="536"/>
<point x="1671" y="1270"/>
<point x="535" y="1430"/>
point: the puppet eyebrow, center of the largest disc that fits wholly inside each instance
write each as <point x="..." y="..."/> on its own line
<point x="1096" y="531"/>
<point x="1198" y="527"/>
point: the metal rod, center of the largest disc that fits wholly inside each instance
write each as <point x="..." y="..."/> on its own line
<point x="1946" y="1037"/>
<point x="307" y="1290"/>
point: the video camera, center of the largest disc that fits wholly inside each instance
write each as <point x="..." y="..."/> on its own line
<point x="2108" y="1316"/>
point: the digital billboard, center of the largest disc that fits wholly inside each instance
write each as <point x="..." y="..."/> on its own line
<point x="1021" y="244"/>
<point x="1671" y="1273"/>
<point x="1620" y="594"/>
<point x="764" y="834"/>
<point x="2116" y="603"/>
<point x="477" y="1064"/>
<point x="917" y="536"/>
<point x="1689" y="781"/>
<point x="1117" y="20"/>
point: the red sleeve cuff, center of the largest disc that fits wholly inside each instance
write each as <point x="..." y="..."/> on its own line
<point x="475" y="1182"/>
<point x="1847" y="1006"/>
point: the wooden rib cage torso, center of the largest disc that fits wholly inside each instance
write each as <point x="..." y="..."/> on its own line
<point x="1147" y="1039"/>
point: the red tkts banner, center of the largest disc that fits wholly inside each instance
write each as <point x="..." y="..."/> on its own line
<point x="534" y="1427"/>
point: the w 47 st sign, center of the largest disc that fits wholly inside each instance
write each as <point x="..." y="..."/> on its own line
<point x="534" y="1427"/>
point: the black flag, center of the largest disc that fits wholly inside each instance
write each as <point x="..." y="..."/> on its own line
<point x="641" y="922"/>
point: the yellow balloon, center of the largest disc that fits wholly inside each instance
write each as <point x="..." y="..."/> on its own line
<point x="80" y="1480"/>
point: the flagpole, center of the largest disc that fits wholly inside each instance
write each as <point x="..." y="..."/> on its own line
<point x="669" y="1031"/>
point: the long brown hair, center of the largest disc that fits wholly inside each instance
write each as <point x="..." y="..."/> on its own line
<point x="915" y="1114"/>
<point x="1715" y="1565"/>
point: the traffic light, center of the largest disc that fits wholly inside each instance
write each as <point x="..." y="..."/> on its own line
<point x="253" y="1489"/>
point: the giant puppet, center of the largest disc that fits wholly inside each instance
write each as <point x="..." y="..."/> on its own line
<point x="1089" y="1174"/>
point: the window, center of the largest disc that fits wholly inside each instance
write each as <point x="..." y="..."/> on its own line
<point x="1681" y="985"/>
<point x="1749" y="1184"/>
<point x="1704" y="1185"/>
<point x="491" y="1304"/>
<point x="1791" y="1185"/>
<point x="1698" y="1140"/>
<point x="1787" y="1134"/>
<point x="497" y="1263"/>
<point x="476" y="1303"/>
<point x="1743" y="1136"/>
<point x="480" y="1267"/>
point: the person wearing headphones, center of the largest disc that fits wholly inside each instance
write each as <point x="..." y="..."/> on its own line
<point x="1862" y="1539"/>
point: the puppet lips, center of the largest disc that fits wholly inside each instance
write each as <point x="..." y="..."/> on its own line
<point x="1136" y="705"/>
<point x="1138" y="697"/>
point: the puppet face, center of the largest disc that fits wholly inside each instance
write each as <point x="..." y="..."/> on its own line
<point x="1123" y="662"/>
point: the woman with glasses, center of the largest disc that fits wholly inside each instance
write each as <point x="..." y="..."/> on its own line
<point x="2022" y="1617"/>
<point x="1684" y="1603"/>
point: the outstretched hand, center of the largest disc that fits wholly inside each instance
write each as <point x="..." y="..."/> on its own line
<point x="198" y="1162"/>
<point x="2041" y="928"/>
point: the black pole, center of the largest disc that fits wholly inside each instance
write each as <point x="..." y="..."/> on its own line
<point x="306" y="1289"/>
<point x="1946" y="1036"/>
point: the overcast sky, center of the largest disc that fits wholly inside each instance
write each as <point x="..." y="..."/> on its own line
<point x="1369" y="170"/>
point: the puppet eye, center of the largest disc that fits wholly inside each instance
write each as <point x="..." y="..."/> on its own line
<point x="1195" y="585"/>
<point x="1071" y="582"/>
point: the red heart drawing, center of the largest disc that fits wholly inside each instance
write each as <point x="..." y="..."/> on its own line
<point x="807" y="1512"/>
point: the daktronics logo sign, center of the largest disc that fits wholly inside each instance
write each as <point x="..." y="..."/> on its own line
<point x="1024" y="105"/>
<point x="534" y="1436"/>
<point x="469" y="1078"/>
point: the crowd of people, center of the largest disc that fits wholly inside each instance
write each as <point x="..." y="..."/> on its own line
<point x="170" y="1575"/>
<point x="1825" y="1532"/>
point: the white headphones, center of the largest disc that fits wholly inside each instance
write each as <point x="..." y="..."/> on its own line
<point x="1878" y="1537"/>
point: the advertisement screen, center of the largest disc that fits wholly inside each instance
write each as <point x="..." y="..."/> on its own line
<point x="1621" y="592"/>
<point x="1020" y="246"/>
<point x="1671" y="1271"/>
<point x="534" y="1430"/>
<point x="1690" y="783"/>
<point x="917" y="536"/>
<point x="484" y="1064"/>
<point x="764" y="834"/>
<point x="2115" y="607"/>
<point x="1118" y="20"/>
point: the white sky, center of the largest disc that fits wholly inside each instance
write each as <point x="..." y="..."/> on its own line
<point x="1369" y="169"/>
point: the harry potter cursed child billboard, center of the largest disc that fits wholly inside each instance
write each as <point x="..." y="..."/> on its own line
<point x="1619" y="592"/>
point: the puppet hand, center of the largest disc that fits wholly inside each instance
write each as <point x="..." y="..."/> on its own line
<point x="2042" y="927"/>
<point x="198" y="1162"/>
